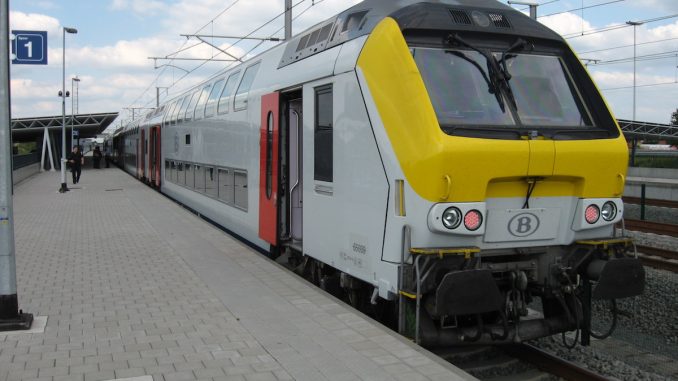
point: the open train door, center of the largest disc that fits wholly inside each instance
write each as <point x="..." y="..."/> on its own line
<point x="155" y="163"/>
<point x="268" y="168"/>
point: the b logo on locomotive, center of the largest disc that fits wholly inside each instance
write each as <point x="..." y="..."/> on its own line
<point x="523" y="225"/>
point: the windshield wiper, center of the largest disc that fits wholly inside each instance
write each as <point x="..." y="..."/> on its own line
<point x="519" y="45"/>
<point x="491" y="87"/>
<point x="495" y="73"/>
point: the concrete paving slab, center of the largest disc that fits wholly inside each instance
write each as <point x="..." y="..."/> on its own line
<point x="136" y="286"/>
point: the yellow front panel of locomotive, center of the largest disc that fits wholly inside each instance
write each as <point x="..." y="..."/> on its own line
<point x="440" y="167"/>
<point x="426" y="154"/>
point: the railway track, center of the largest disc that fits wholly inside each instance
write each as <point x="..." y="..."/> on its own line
<point x="658" y="258"/>
<point x="651" y="227"/>
<point x="553" y="364"/>
<point x="516" y="362"/>
<point x="651" y="202"/>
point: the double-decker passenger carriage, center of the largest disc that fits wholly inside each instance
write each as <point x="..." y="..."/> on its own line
<point x="452" y="159"/>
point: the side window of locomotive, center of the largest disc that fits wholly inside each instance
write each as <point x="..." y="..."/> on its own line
<point x="200" y="106"/>
<point x="211" y="105"/>
<point x="322" y="134"/>
<point x="168" y="171"/>
<point x="225" y="98"/>
<point x="188" y="115"/>
<point x="244" y="87"/>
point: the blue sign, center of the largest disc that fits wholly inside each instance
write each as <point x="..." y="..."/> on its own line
<point x="29" y="47"/>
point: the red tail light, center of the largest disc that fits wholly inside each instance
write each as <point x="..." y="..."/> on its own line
<point x="473" y="219"/>
<point x="592" y="214"/>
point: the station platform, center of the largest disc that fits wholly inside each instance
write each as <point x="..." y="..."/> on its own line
<point x="133" y="286"/>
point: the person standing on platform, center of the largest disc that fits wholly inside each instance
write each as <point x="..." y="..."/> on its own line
<point x="96" y="157"/>
<point x="76" y="160"/>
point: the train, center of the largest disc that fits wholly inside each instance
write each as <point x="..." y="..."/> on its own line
<point x="449" y="165"/>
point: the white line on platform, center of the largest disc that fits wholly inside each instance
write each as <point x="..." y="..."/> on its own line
<point x="140" y="378"/>
<point x="38" y="326"/>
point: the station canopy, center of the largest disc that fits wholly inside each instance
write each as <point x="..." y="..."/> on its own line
<point x="87" y="125"/>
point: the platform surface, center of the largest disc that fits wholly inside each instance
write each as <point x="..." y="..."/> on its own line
<point x="134" y="286"/>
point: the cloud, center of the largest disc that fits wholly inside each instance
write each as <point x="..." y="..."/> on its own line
<point x="660" y="5"/>
<point x="34" y="21"/>
<point x="141" y="8"/>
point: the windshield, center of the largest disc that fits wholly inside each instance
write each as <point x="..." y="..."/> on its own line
<point x="459" y="85"/>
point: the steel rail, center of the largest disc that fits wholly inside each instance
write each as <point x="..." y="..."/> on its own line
<point x="553" y="364"/>
<point x="651" y="227"/>
<point x="651" y="202"/>
<point x="658" y="258"/>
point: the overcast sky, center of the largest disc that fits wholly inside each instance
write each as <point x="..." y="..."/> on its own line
<point x="115" y="38"/>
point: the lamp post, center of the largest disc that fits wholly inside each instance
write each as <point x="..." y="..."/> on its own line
<point x="64" y="188"/>
<point x="74" y="110"/>
<point x="634" y="24"/>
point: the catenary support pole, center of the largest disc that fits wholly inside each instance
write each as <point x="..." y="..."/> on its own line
<point x="10" y="316"/>
<point x="288" y="20"/>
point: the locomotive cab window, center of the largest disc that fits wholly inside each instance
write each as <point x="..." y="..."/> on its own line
<point x="469" y="94"/>
<point x="240" y="101"/>
<point x="322" y="134"/>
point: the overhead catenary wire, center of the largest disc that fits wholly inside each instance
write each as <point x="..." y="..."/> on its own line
<point x="615" y="27"/>
<point x="183" y="48"/>
<point x="162" y="71"/>
<point x="645" y="57"/>
<point x="628" y="46"/>
<point x="581" y="8"/>
<point x="647" y="85"/>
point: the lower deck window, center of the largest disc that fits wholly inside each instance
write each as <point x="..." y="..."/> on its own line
<point x="225" y="184"/>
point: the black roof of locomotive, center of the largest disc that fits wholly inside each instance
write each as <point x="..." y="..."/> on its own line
<point x="414" y="17"/>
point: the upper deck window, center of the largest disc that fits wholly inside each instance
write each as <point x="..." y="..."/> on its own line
<point x="188" y="115"/>
<point x="211" y="105"/>
<point x="200" y="107"/>
<point x="225" y="98"/>
<point x="178" y="108"/>
<point x="244" y="87"/>
<point x="465" y="93"/>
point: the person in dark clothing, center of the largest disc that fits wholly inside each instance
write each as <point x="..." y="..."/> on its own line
<point x="96" y="157"/>
<point x="76" y="160"/>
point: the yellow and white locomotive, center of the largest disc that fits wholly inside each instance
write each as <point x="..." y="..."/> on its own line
<point x="451" y="159"/>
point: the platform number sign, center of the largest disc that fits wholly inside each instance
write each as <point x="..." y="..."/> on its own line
<point x="29" y="47"/>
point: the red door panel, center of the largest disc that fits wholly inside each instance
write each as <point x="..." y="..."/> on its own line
<point x="268" y="168"/>
<point x="142" y="162"/>
<point x="158" y="157"/>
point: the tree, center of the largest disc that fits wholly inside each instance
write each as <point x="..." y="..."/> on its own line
<point x="674" y="118"/>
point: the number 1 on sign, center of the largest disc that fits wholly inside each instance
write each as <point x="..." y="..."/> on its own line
<point x="29" y="46"/>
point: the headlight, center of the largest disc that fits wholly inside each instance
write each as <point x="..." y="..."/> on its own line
<point x="609" y="211"/>
<point x="451" y="217"/>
